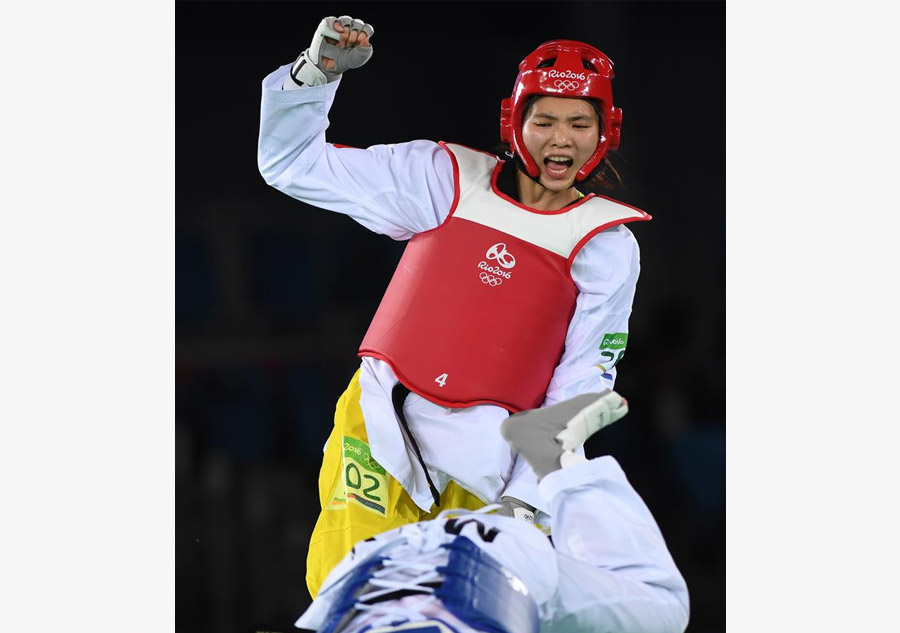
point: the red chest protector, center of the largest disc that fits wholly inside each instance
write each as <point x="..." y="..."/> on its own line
<point x="478" y="308"/>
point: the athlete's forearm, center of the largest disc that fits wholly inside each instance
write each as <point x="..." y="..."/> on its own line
<point x="291" y="130"/>
<point x="397" y="190"/>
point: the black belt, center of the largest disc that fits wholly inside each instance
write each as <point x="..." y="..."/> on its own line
<point x="398" y="395"/>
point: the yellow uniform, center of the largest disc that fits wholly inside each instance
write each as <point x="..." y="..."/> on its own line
<point x="359" y="499"/>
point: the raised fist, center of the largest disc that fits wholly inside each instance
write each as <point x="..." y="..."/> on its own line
<point x="338" y="45"/>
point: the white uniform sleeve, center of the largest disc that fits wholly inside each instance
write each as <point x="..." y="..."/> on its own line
<point x="397" y="190"/>
<point x="615" y="572"/>
<point x="606" y="271"/>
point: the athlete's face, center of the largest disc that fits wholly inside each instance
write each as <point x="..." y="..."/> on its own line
<point x="560" y="134"/>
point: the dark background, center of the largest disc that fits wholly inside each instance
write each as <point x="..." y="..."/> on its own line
<point x="273" y="296"/>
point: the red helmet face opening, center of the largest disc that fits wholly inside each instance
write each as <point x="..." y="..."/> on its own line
<point x="563" y="68"/>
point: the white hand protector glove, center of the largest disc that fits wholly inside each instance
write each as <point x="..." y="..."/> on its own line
<point x="310" y="70"/>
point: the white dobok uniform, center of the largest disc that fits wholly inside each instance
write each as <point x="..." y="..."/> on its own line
<point x="401" y="190"/>
<point x="609" y="572"/>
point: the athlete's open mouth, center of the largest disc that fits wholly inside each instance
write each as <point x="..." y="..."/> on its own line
<point x="557" y="165"/>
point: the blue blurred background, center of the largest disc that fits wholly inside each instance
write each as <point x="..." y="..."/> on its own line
<point x="274" y="296"/>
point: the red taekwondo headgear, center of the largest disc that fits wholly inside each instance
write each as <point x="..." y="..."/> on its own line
<point x="563" y="68"/>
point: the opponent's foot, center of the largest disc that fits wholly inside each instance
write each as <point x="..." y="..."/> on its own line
<point x="548" y="438"/>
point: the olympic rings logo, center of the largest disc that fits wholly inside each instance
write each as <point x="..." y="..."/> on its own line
<point x="566" y="84"/>
<point x="490" y="279"/>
